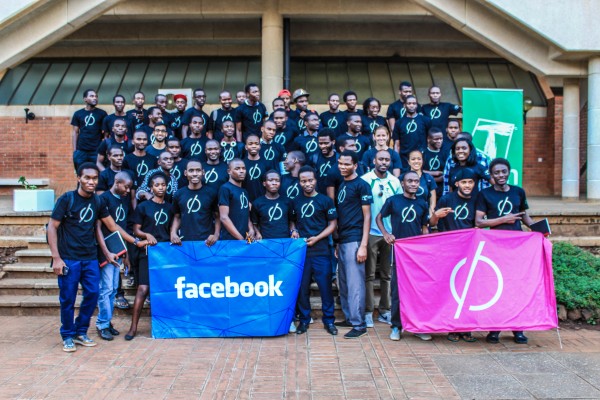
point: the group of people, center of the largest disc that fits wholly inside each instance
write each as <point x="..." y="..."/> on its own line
<point x="349" y="182"/>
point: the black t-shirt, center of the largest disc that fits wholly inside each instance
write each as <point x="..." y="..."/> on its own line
<point x="335" y="121"/>
<point x="107" y="178"/>
<point x="217" y="118"/>
<point x="368" y="159"/>
<point x="370" y="124"/>
<point x="439" y="114"/>
<point x="312" y="214"/>
<point x="193" y="148"/>
<point x="363" y="143"/>
<point x="153" y="151"/>
<point x="294" y="118"/>
<point x="412" y="134"/>
<point x="334" y="177"/>
<point x="480" y="173"/>
<point x="290" y="186"/>
<point x="111" y="141"/>
<point x="273" y="152"/>
<point x="178" y="172"/>
<point x="236" y="198"/>
<point x="272" y="216"/>
<point x="150" y="132"/>
<point x="308" y="144"/>
<point x="350" y="196"/>
<point x="90" y="128"/>
<point x="155" y="219"/>
<point x="176" y="123"/>
<point x="137" y="118"/>
<point x="139" y="166"/>
<point x="408" y="216"/>
<point x="396" y="110"/>
<point x="107" y="123"/>
<point x="215" y="175"/>
<point x="232" y="150"/>
<point x="426" y="186"/>
<point x="76" y="233"/>
<point x="496" y="204"/>
<point x="255" y="169"/>
<point x="434" y="160"/>
<point x="251" y="117"/>
<point x="286" y="136"/>
<point x="323" y="166"/>
<point x="196" y="208"/>
<point x="118" y="207"/>
<point x="191" y="113"/>
<point x="463" y="215"/>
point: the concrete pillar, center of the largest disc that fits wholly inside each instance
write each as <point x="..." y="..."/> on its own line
<point x="593" y="149"/>
<point x="272" y="52"/>
<point x="570" y="155"/>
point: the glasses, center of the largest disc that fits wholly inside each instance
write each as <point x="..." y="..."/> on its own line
<point x="381" y="188"/>
<point x="160" y="130"/>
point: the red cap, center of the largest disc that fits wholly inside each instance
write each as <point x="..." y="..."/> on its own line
<point x="180" y="96"/>
<point x="284" y="92"/>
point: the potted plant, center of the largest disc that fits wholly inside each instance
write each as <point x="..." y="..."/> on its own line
<point x="30" y="198"/>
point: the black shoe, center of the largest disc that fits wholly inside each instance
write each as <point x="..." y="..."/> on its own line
<point x="301" y="328"/>
<point x="105" y="334"/>
<point x="355" y="333"/>
<point x="520" y="338"/>
<point x="493" y="337"/>
<point x="331" y="329"/>
<point x="113" y="331"/>
<point x="343" y="324"/>
<point x="129" y="337"/>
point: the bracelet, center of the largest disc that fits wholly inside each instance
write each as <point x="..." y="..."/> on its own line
<point x="292" y="231"/>
<point x="136" y="241"/>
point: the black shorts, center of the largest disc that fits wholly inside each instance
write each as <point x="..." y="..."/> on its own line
<point x="143" y="276"/>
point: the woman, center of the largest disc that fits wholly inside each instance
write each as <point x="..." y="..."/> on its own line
<point x="381" y="137"/>
<point x="371" y="118"/>
<point x="464" y="155"/>
<point x="427" y="183"/>
<point x="152" y="222"/>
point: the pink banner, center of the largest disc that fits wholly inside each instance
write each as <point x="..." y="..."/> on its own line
<point x="476" y="280"/>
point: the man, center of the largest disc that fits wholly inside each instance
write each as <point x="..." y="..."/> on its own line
<point x="271" y="214"/>
<point x="307" y="142"/>
<point x="325" y="159"/>
<point x="159" y="133"/>
<point x="300" y="98"/>
<point x="195" y="209"/>
<point x="155" y="118"/>
<point x="290" y="184"/>
<point x="334" y="118"/>
<point x="160" y="102"/>
<point x="354" y="219"/>
<point x="107" y="176"/>
<point x="107" y="123"/>
<point x="220" y="115"/>
<point x="351" y="100"/>
<point x="240" y="97"/>
<point x="234" y="207"/>
<point x="165" y="164"/>
<point x="452" y="131"/>
<point x="230" y="147"/>
<point x="256" y="167"/>
<point x="215" y="170"/>
<point x="177" y="116"/>
<point x="193" y="145"/>
<point x="119" y="138"/>
<point x="285" y="133"/>
<point x="437" y="111"/>
<point x="410" y="131"/>
<point x="196" y="110"/>
<point x="354" y="131"/>
<point x="117" y="201"/>
<point x="74" y="260"/>
<point x="87" y="129"/>
<point x="250" y="114"/>
<point x="456" y="210"/>
<point x="286" y="96"/>
<point x="139" y="162"/>
<point x="409" y="216"/>
<point x="275" y="104"/>
<point x="434" y="158"/>
<point x="139" y="115"/>
<point x="502" y="206"/>
<point x="482" y="159"/>
<point x="179" y="163"/>
<point x="269" y="149"/>
<point x="315" y="218"/>
<point x="396" y="110"/>
<point x="383" y="185"/>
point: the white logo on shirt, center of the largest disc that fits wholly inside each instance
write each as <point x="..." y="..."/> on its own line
<point x="193" y="205"/>
<point x="120" y="213"/>
<point x="257" y="117"/>
<point x="89" y="120"/>
<point x="307" y="210"/>
<point x="280" y="138"/>
<point x="254" y="172"/>
<point x="228" y="154"/>
<point x="292" y="191"/>
<point x="461" y="212"/>
<point x="196" y="149"/>
<point x="311" y="146"/>
<point x="142" y="168"/>
<point x="275" y="213"/>
<point x="243" y="201"/>
<point x="434" y="164"/>
<point x="160" y="217"/>
<point x="505" y="207"/>
<point x="324" y="168"/>
<point x="411" y="126"/>
<point x="176" y="173"/>
<point x="269" y="154"/>
<point x="332" y="123"/>
<point x="435" y="113"/>
<point x="86" y="214"/>
<point x="211" y="175"/>
<point x="409" y="214"/>
<point x="342" y="195"/>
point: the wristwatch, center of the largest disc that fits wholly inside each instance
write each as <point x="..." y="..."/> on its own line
<point x="136" y="241"/>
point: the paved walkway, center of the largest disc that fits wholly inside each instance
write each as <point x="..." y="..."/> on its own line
<point x="311" y="366"/>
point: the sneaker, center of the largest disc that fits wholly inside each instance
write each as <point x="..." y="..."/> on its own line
<point x="105" y="334"/>
<point x="311" y="321"/>
<point x="355" y="333"/>
<point x="423" y="336"/>
<point x="68" y="345"/>
<point x="84" y="340"/>
<point x="121" y="303"/>
<point x="386" y="318"/>
<point x="369" y="320"/>
<point x="292" y="327"/>
<point x="343" y="324"/>
<point x="395" y="335"/>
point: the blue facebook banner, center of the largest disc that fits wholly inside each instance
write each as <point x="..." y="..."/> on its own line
<point x="231" y="289"/>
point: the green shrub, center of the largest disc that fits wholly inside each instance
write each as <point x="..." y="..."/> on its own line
<point x="576" y="276"/>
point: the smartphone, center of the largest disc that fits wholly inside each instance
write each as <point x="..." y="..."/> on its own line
<point x="65" y="270"/>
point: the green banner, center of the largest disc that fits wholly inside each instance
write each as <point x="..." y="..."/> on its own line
<point x="495" y="119"/>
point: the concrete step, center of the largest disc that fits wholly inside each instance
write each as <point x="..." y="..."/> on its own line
<point x="48" y="305"/>
<point x="29" y="271"/>
<point x="580" y="241"/>
<point x="34" y="256"/>
<point x="37" y="287"/>
<point x="37" y="242"/>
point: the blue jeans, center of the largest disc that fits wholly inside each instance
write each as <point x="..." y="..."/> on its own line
<point x="320" y="268"/>
<point x="88" y="274"/>
<point x="109" y="283"/>
<point x="351" y="281"/>
<point x="80" y="156"/>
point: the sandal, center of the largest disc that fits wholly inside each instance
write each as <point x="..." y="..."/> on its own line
<point x="122" y="303"/>
<point x="453" y="337"/>
<point x="467" y="337"/>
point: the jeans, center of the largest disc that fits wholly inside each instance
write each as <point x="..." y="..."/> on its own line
<point x="79" y="157"/>
<point x="378" y="245"/>
<point x="88" y="274"/>
<point x="351" y="281"/>
<point x="320" y="268"/>
<point x="109" y="281"/>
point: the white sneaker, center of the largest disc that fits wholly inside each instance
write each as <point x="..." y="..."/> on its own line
<point x="292" y="327"/>
<point x="423" y="336"/>
<point x="369" y="320"/>
<point x="395" y="335"/>
<point x="311" y="321"/>
<point x="386" y="318"/>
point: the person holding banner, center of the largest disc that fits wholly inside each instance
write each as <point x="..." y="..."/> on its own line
<point x="409" y="217"/>
<point x="316" y="218"/>
<point x="151" y="221"/>
<point x="234" y="207"/>
<point x="502" y="206"/>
